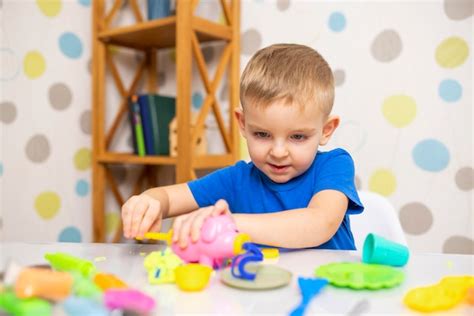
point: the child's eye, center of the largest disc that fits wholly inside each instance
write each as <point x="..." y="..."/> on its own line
<point x="298" y="137"/>
<point x="261" y="134"/>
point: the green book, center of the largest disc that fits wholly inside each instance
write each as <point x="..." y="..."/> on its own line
<point x="165" y="111"/>
<point x="137" y="123"/>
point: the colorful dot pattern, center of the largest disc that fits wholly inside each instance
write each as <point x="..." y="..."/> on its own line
<point x="402" y="96"/>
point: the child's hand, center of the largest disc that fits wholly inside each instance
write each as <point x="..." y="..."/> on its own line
<point x="190" y="224"/>
<point x="141" y="214"/>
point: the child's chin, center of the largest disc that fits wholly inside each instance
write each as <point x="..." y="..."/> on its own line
<point x="279" y="179"/>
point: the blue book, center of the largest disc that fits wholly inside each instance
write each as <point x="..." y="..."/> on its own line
<point x="147" y="124"/>
<point x="158" y="9"/>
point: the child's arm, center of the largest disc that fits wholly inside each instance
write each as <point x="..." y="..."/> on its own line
<point x="298" y="228"/>
<point x="144" y="212"/>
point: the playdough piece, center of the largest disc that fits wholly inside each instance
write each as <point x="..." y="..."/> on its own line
<point x="268" y="277"/>
<point x="360" y="275"/>
<point x="446" y="294"/>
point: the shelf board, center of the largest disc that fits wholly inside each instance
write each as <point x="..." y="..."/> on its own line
<point x="161" y="33"/>
<point x="127" y="158"/>
<point x="200" y="162"/>
<point x="213" y="161"/>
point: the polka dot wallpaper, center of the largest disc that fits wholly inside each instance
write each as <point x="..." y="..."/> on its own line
<point x="403" y="91"/>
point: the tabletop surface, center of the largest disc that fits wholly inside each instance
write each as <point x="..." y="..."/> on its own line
<point x="126" y="262"/>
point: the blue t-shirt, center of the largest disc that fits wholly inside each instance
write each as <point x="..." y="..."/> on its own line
<point x="249" y="190"/>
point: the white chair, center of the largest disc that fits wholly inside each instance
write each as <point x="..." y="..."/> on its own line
<point x="379" y="217"/>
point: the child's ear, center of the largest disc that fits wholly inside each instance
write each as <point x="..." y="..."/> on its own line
<point x="329" y="127"/>
<point x="239" y="115"/>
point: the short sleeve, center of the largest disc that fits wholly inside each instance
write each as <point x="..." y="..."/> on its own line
<point x="337" y="173"/>
<point x="214" y="186"/>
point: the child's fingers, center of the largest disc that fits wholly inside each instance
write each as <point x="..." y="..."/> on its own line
<point x="220" y="207"/>
<point x="198" y="222"/>
<point x="151" y="214"/>
<point x="184" y="232"/>
<point x="127" y="213"/>
<point x="137" y="216"/>
<point x="156" y="226"/>
<point x="178" y="221"/>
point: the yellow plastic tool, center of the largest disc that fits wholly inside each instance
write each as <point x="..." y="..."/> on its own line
<point x="446" y="294"/>
<point x="159" y="236"/>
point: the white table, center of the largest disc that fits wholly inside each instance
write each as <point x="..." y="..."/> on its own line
<point x="125" y="261"/>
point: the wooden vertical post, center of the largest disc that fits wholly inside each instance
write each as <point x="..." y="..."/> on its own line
<point x="98" y="121"/>
<point x="152" y="84"/>
<point x="234" y="79"/>
<point x="151" y="62"/>
<point x="183" y="89"/>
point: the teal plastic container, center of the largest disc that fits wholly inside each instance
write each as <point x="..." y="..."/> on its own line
<point x="383" y="251"/>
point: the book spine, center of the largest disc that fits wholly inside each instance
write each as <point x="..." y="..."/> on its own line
<point x="146" y="124"/>
<point x="132" y="125"/>
<point x="138" y="127"/>
<point x="154" y="123"/>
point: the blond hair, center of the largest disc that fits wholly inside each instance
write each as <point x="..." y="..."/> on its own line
<point x="289" y="72"/>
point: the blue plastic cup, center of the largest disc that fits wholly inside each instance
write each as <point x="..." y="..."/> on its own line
<point x="383" y="251"/>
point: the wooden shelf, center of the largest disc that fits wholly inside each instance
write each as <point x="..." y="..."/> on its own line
<point x="161" y="33"/>
<point x="128" y="158"/>
<point x="200" y="162"/>
<point x="184" y="32"/>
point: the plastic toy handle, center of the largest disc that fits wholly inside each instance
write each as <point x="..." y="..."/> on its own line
<point x="159" y="236"/>
<point x="65" y="262"/>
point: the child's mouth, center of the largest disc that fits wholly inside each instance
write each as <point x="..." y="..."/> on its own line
<point x="278" y="168"/>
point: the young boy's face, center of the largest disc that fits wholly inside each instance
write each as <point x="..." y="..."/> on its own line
<point x="283" y="139"/>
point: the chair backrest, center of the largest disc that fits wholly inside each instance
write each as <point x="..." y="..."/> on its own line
<point x="379" y="217"/>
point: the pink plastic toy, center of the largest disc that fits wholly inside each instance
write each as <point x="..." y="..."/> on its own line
<point x="219" y="240"/>
<point x="128" y="299"/>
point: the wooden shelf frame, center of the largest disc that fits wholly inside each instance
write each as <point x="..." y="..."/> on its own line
<point x="185" y="32"/>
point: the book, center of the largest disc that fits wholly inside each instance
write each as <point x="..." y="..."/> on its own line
<point x="137" y="125"/>
<point x="157" y="9"/>
<point x="132" y="127"/>
<point x="165" y="110"/>
<point x="146" y="124"/>
<point x="154" y="123"/>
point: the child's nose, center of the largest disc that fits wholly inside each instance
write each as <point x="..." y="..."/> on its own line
<point x="279" y="150"/>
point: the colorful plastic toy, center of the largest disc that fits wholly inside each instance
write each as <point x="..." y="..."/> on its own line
<point x="253" y="254"/>
<point x="470" y="295"/>
<point x="383" y="251"/>
<point x="446" y="294"/>
<point x="15" y="306"/>
<point x="192" y="276"/>
<point x="80" y="306"/>
<point x="128" y="299"/>
<point x="360" y="275"/>
<point x="268" y="277"/>
<point x="270" y="253"/>
<point x="43" y="283"/>
<point x="107" y="281"/>
<point x="64" y="262"/>
<point x="219" y="240"/>
<point x="309" y="288"/>
<point x="161" y="266"/>
<point x="84" y="287"/>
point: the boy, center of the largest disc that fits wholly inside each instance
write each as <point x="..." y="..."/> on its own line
<point x="290" y="195"/>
